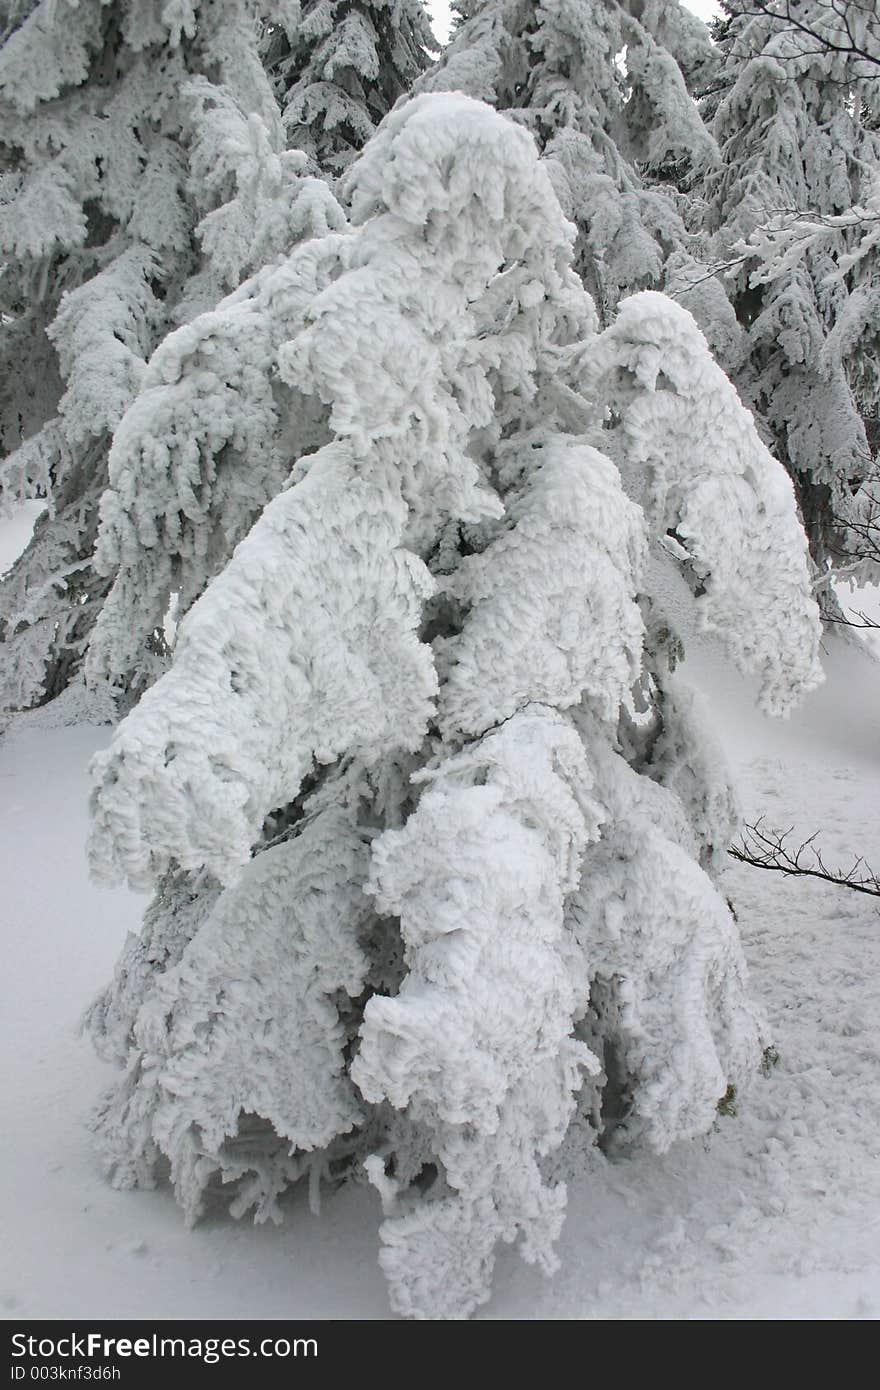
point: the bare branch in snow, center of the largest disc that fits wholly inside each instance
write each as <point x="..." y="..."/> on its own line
<point x="766" y="848"/>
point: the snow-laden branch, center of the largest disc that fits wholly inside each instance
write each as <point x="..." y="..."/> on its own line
<point x="490" y="901"/>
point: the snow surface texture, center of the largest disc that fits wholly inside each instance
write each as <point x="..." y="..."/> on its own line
<point x="457" y="358"/>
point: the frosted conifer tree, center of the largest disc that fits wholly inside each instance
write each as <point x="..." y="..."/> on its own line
<point x="206" y="443"/>
<point x="339" y="65"/>
<point x="797" y="125"/>
<point x="432" y="825"/>
<point x="607" y="92"/>
<point x="142" y="174"/>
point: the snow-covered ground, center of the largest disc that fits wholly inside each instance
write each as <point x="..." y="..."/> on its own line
<point x="775" y="1214"/>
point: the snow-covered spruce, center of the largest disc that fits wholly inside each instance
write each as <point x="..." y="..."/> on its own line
<point x="790" y="208"/>
<point x="338" y="67"/>
<point x="205" y="444"/>
<point x="653" y="369"/>
<point x="606" y="92"/>
<point x="144" y="175"/>
<point x="423" y="730"/>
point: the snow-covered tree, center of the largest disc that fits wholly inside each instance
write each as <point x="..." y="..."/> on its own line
<point x="433" y="825"/>
<point x="142" y="174"/>
<point x="798" y="124"/>
<point x="606" y="90"/>
<point x="206" y="443"/>
<point x="338" y="66"/>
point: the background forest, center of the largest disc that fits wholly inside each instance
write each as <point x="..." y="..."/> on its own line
<point x="444" y="504"/>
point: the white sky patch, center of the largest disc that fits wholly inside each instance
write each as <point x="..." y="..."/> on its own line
<point x="16" y="530"/>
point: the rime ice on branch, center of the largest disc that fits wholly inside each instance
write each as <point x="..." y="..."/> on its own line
<point x="338" y="67"/>
<point x="606" y="92"/>
<point x="423" y="730"/>
<point x="791" y="211"/>
<point x="142" y="175"/>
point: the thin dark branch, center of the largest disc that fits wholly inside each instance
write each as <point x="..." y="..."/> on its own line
<point x="767" y="9"/>
<point x="859" y="619"/>
<point x="765" y="848"/>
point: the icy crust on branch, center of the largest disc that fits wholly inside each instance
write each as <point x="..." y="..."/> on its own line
<point x="690" y="453"/>
<point x="50" y="598"/>
<point x="304" y="648"/>
<point x="477" y="1042"/>
<point x="556" y="64"/>
<point x="670" y="1012"/>
<point x="470" y="295"/>
<point x="551" y="615"/>
<point x="670" y="124"/>
<point x="274" y="203"/>
<point x="480" y="59"/>
<point x="682" y="34"/>
<point x="102" y="332"/>
<point x="605" y="128"/>
<point x="91" y="101"/>
<point x="182" y="902"/>
<point x="408" y="371"/>
<point x="43" y="56"/>
<point x="180" y="495"/>
<point x="54" y="48"/>
<point x="245" y="1025"/>
<point x="797" y="123"/>
<point x="415" y="169"/>
<point x="103" y="151"/>
<point x="666" y="958"/>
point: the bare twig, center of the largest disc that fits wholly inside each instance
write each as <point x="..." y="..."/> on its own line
<point x="860" y="531"/>
<point x="858" y="619"/>
<point x="765" y="848"/>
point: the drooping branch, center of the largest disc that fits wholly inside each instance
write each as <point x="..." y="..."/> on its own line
<point x="766" y="848"/>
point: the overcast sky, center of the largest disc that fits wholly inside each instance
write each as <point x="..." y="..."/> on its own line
<point x="439" y="9"/>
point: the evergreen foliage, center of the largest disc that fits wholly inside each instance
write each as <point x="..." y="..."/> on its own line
<point x="432" y="826"/>
<point x="142" y="170"/>
<point x="793" y="207"/>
